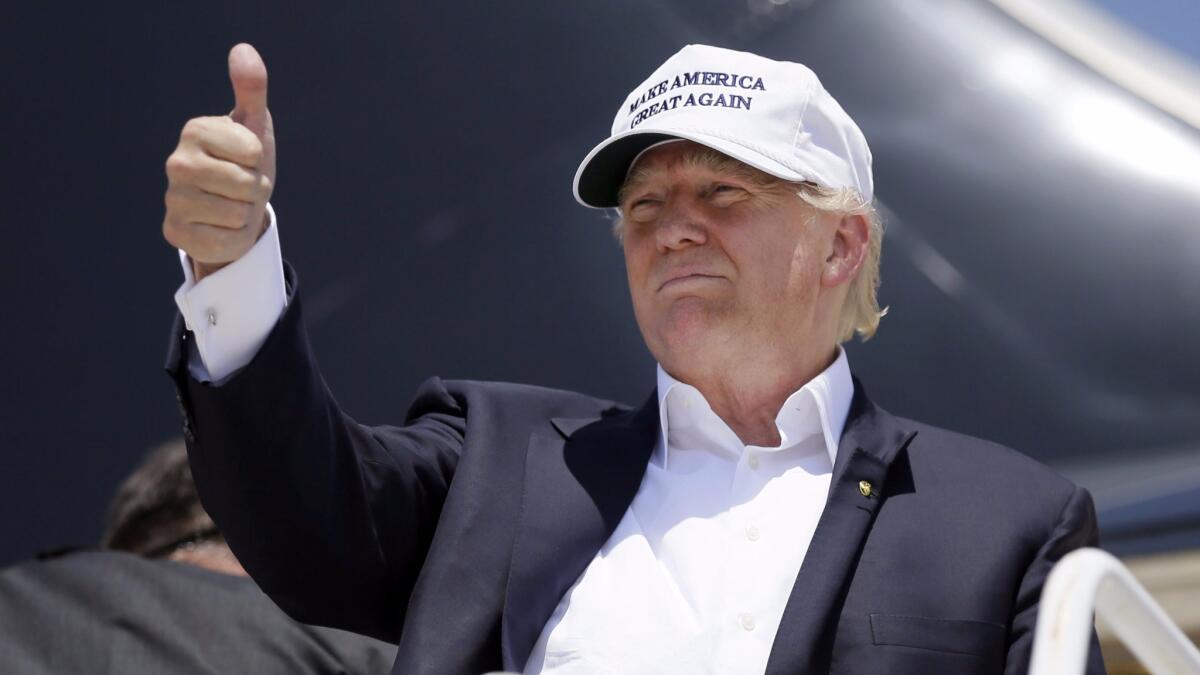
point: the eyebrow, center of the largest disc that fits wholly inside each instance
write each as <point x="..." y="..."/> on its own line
<point x="705" y="158"/>
<point x="631" y="183"/>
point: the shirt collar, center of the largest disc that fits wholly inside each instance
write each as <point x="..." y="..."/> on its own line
<point x="819" y="407"/>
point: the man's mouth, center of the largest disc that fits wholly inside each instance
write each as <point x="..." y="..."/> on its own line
<point x="680" y="279"/>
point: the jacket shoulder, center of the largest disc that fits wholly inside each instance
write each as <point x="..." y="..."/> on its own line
<point x="975" y="485"/>
<point x="981" y="464"/>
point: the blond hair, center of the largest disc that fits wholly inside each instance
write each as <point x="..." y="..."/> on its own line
<point x="860" y="312"/>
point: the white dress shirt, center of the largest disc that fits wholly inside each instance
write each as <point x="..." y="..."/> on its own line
<point x="698" y="572"/>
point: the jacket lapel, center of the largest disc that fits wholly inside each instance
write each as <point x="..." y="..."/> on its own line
<point x="871" y="440"/>
<point x="580" y="478"/>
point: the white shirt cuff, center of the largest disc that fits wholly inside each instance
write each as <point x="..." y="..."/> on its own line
<point x="232" y="311"/>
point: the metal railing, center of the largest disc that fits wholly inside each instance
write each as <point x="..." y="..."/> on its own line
<point x="1090" y="580"/>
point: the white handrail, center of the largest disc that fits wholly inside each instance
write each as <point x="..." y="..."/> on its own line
<point x="1089" y="579"/>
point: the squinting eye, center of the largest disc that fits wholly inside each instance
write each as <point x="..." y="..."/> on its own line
<point x="642" y="203"/>
<point x="641" y="210"/>
<point x="725" y="193"/>
<point x="725" y="189"/>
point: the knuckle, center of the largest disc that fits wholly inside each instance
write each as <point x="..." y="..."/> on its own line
<point x="234" y="215"/>
<point x="173" y="233"/>
<point x="194" y="128"/>
<point x="254" y="151"/>
<point x="178" y="164"/>
<point x="244" y="182"/>
<point x="265" y="186"/>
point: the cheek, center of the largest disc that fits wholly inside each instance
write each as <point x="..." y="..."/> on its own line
<point x="807" y="264"/>
<point x="807" y="250"/>
<point x="632" y="262"/>
<point x="787" y="266"/>
<point x="637" y="269"/>
<point x="778" y="264"/>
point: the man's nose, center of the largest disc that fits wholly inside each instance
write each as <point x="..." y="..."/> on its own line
<point x="682" y="225"/>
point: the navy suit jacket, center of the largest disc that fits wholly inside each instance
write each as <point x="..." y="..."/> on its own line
<point x="456" y="533"/>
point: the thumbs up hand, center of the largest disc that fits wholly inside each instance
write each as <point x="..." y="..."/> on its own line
<point x="221" y="174"/>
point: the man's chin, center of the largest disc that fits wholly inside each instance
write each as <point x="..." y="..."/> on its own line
<point x="691" y="332"/>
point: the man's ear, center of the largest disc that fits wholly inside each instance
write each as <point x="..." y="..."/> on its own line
<point x="850" y="241"/>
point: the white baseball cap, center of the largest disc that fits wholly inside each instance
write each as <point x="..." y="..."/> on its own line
<point x="773" y="115"/>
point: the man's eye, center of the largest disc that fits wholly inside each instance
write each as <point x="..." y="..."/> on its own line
<point x="724" y="190"/>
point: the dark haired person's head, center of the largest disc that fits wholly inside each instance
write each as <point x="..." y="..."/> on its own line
<point x="156" y="513"/>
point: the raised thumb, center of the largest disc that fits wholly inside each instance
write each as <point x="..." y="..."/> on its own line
<point x="248" y="74"/>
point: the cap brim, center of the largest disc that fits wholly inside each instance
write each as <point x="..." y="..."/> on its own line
<point x="603" y="171"/>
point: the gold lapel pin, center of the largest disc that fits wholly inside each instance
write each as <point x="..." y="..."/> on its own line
<point x="864" y="488"/>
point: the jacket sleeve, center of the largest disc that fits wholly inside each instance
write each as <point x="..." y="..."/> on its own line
<point x="332" y="518"/>
<point x="1076" y="527"/>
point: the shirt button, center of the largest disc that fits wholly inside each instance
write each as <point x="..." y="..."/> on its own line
<point x="212" y="317"/>
<point x="752" y="533"/>
<point x="752" y="461"/>
<point x="746" y="621"/>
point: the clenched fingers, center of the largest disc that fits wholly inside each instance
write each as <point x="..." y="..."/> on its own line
<point x="209" y="243"/>
<point x="217" y="176"/>
<point x="189" y="204"/>
<point x="222" y="138"/>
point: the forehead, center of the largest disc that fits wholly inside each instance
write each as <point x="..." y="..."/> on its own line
<point x="685" y="155"/>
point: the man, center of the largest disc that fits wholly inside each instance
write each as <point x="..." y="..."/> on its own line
<point x="165" y="595"/>
<point x="756" y="514"/>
